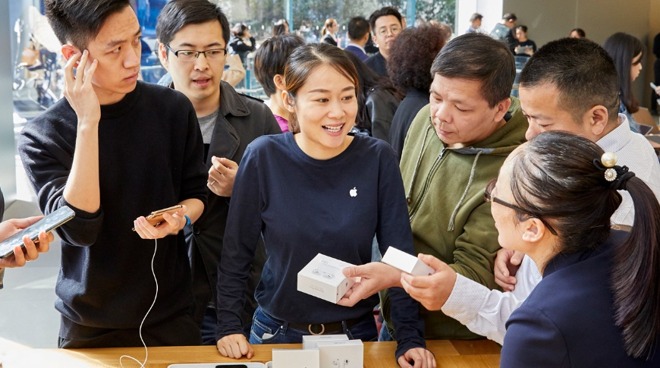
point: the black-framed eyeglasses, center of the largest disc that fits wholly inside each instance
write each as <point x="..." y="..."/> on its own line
<point x="488" y="197"/>
<point x="393" y="29"/>
<point x="191" y="55"/>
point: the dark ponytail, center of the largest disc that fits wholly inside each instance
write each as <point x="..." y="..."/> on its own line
<point x="556" y="177"/>
<point x="636" y="278"/>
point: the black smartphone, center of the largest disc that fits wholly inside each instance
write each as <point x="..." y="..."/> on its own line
<point x="48" y="223"/>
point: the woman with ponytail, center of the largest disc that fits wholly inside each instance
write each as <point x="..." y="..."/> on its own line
<point x="598" y="304"/>
<point x="329" y="32"/>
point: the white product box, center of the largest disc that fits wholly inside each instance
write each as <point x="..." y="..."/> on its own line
<point x="341" y="354"/>
<point x="295" y="358"/>
<point x="322" y="278"/>
<point x="221" y="365"/>
<point x="311" y="341"/>
<point x="406" y="262"/>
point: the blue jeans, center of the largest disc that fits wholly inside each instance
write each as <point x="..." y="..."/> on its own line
<point x="385" y="334"/>
<point x="268" y="330"/>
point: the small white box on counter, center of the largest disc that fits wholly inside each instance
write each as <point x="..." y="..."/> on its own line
<point x="295" y="358"/>
<point x="406" y="262"/>
<point x="323" y="278"/>
<point x="341" y="354"/>
<point x="311" y="341"/>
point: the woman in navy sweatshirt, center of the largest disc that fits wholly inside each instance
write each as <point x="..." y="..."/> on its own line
<point x="317" y="191"/>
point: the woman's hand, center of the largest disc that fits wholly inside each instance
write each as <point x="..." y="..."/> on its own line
<point x="235" y="346"/>
<point x="370" y="279"/>
<point x="420" y="358"/>
<point x="431" y="291"/>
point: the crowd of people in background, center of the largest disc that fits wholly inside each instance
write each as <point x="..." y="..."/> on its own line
<point x="418" y="144"/>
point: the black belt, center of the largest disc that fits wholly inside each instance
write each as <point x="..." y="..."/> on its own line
<point x="326" y="328"/>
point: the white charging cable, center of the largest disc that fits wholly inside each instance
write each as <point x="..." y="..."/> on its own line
<point x="146" y="351"/>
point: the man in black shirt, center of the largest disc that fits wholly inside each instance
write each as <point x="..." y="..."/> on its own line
<point x="386" y="24"/>
<point x="115" y="149"/>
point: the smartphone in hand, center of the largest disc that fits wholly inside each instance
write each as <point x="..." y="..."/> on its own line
<point x="48" y="223"/>
<point x="156" y="217"/>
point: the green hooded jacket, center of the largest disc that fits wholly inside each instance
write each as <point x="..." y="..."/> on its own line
<point x="445" y="192"/>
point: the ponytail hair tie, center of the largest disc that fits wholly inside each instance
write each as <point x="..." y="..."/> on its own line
<point x="616" y="176"/>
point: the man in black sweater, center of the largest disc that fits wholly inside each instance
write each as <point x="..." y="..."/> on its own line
<point x="113" y="150"/>
<point x="386" y="24"/>
<point x="193" y="37"/>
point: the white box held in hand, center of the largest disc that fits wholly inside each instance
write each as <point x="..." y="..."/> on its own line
<point x="406" y="262"/>
<point x="341" y="354"/>
<point x="323" y="278"/>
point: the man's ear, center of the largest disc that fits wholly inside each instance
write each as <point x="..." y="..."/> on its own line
<point x="68" y="51"/>
<point x="502" y="108"/>
<point x="162" y="55"/>
<point x="597" y="117"/>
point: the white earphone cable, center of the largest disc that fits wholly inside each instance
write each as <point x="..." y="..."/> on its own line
<point x="146" y="351"/>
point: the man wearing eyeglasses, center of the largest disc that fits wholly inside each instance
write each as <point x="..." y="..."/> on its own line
<point x="386" y="24"/>
<point x="115" y="149"/>
<point x="193" y="37"/>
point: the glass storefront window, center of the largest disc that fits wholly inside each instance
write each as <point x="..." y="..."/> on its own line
<point x="37" y="75"/>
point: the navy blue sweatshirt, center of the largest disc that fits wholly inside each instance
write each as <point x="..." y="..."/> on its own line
<point x="568" y="321"/>
<point x="303" y="207"/>
<point x="150" y="157"/>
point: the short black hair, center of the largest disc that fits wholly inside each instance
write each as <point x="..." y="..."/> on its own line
<point x="79" y="21"/>
<point x="478" y="57"/>
<point x="476" y="16"/>
<point x="579" y="31"/>
<point x="177" y="14"/>
<point x="271" y="58"/>
<point x="357" y="28"/>
<point x="581" y="70"/>
<point x="382" y="12"/>
<point x="510" y="17"/>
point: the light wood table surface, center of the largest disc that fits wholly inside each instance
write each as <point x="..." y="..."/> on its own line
<point x="448" y="353"/>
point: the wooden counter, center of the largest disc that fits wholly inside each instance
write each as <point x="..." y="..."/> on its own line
<point x="448" y="353"/>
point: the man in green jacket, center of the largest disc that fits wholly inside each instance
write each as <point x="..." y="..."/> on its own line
<point x="454" y="147"/>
